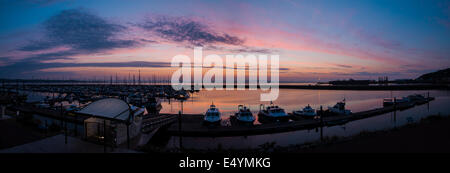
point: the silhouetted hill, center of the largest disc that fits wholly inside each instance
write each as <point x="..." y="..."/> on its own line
<point x="441" y="76"/>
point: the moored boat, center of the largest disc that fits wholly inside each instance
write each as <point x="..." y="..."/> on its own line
<point x="272" y="113"/>
<point x="306" y="112"/>
<point x="212" y="116"/>
<point x="244" y="115"/>
<point x="392" y="101"/>
<point x="339" y="109"/>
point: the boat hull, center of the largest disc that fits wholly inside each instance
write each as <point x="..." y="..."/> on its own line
<point x="236" y="120"/>
<point x="265" y="118"/>
<point x="211" y="123"/>
<point x="307" y="116"/>
<point x="336" y="113"/>
<point x="387" y="104"/>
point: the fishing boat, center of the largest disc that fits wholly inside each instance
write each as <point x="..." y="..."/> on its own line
<point x="307" y="112"/>
<point x="212" y="116"/>
<point x="339" y="109"/>
<point x="244" y="115"/>
<point x="272" y="113"/>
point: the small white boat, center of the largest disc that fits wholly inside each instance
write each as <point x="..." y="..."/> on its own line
<point x="272" y="113"/>
<point x="244" y="115"/>
<point x="339" y="109"/>
<point x="307" y="112"/>
<point x="212" y="115"/>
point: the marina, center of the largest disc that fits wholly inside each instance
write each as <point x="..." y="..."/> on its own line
<point x="190" y="126"/>
<point x="385" y="121"/>
<point x="220" y="86"/>
<point x="176" y="116"/>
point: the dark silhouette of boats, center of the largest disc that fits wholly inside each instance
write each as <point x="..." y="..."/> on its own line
<point x="243" y="116"/>
<point x="337" y="110"/>
<point x="272" y="113"/>
<point x="153" y="105"/>
<point x="306" y="112"/>
<point x="212" y="116"/>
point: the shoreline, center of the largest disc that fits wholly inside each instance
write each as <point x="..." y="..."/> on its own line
<point x="368" y="87"/>
<point x="191" y="125"/>
<point x="281" y="86"/>
<point x="429" y="135"/>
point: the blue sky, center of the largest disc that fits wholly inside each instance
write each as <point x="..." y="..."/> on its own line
<point x="315" y="39"/>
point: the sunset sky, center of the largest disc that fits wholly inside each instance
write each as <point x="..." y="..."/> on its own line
<point x="316" y="40"/>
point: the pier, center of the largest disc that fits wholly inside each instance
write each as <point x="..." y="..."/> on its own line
<point x="191" y="125"/>
<point x="155" y="122"/>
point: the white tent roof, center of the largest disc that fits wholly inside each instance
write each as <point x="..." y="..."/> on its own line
<point x="109" y="108"/>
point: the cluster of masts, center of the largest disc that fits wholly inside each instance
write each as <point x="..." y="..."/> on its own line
<point x="138" y="95"/>
<point x="129" y="79"/>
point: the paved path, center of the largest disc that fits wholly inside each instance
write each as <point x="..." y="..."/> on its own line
<point x="55" y="144"/>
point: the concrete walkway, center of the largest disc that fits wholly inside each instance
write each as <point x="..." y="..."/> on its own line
<point x="55" y="144"/>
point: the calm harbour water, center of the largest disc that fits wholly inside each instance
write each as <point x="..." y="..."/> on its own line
<point x="291" y="99"/>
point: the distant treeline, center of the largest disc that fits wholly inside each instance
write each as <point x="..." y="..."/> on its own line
<point x="441" y="76"/>
<point x="438" y="77"/>
<point x="352" y="82"/>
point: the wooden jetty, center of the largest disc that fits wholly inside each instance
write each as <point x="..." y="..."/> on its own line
<point x="191" y="124"/>
<point x="155" y="122"/>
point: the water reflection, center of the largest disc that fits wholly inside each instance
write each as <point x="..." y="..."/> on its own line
<point x="293" y="99"/>
<point x="289" y="99"/>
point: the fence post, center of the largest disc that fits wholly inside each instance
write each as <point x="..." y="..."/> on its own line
<point x="395" y="103"/>
<point x="76" y="125"/>
<point x="179" y="129"/>
<point x="104" y="135"/>
<point x="321" y="123"/>
<point x="65" y="130"/>
<point x="179" y="122"/>
<point x="61" y="115"/>
<point x="128" y="135"/>
<point x="3" y="112"/>
<point x="46" y="128"/>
